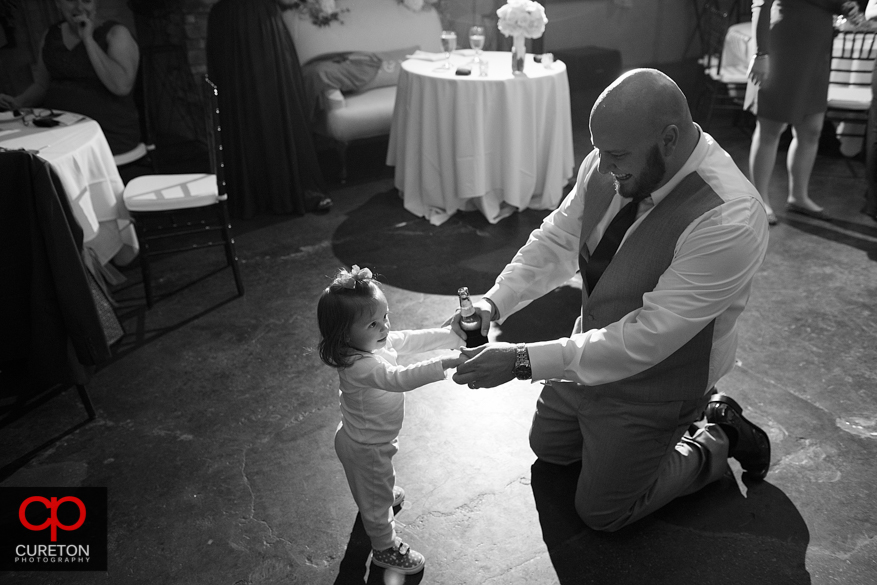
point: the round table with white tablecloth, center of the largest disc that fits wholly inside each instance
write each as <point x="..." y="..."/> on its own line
<point x="78" y="152"/>
<point x="498" y="143"/>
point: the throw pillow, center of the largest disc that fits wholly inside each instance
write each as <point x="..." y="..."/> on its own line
<point x="391" y="65"/>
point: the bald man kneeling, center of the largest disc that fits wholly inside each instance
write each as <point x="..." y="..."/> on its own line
<point x="667" y="234"/>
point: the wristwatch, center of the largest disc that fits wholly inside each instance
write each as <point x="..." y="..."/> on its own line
<point x="522" y="370"/>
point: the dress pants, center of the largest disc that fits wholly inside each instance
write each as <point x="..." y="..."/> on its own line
<point x="636" y="456"/>
<point x="370" y="474"/>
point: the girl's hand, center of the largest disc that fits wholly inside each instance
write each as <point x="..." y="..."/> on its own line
<point x="452" y="362"/>
<point x="759" y="69"/>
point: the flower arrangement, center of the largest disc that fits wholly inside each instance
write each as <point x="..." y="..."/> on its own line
<point x="418" y="5"/>
<point x="524" y="18"/>
<point x="321" y="12"/>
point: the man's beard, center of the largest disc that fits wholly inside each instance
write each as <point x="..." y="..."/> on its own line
<point x="648" y="179"/>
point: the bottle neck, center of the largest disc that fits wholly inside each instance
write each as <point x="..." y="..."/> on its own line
<point x="466" y="307"/>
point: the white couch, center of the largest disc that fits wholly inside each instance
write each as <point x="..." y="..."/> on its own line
<point x="370" y="26"/>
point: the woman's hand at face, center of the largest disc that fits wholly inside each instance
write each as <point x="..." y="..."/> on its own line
<point x="84" y="25"/>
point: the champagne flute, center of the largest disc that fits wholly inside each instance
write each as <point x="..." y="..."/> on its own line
<point x="476" y="40"/>
<point x="449" y="43"/>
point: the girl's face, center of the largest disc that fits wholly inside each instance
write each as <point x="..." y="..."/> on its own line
<point x="369" y="331"/>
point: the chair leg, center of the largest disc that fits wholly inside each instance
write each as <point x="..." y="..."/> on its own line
<point x="709" y="112"/>
<point x="145" y="271"/>
<point x="86" y="401"/>
<point x="230" y="253"/>
<point x="341" y="147"/>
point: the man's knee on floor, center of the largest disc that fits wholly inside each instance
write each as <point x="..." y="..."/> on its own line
<point x="600" y="517"/>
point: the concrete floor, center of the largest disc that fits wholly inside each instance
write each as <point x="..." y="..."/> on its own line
<point x="216" y="417"/>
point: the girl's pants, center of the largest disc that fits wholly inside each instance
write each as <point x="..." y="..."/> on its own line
<point x="370" y="474"/>
<point x="636" y="457"/>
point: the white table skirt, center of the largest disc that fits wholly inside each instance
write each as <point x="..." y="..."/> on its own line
<point x="81" y="156"/>
<point x="498" y="143"/>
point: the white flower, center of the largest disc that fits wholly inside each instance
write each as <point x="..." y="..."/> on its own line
<point x="522" y="17"/>
<point x="328" y="6"/>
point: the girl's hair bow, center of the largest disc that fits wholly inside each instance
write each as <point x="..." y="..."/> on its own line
<point x="355" y="275"/>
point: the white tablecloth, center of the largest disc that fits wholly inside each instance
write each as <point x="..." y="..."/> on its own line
<point x="79" y="153"/>
<point x="499" y="143"/>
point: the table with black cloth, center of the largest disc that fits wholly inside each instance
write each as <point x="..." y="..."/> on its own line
<point x="52" y="326"/>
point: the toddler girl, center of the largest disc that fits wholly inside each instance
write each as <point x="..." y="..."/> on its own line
<point x="356" y="339"/>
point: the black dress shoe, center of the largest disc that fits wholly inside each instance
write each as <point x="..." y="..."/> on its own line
<point x="749" y="444"/>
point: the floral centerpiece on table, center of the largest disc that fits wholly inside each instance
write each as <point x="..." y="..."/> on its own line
<point x="524" y="18"/>
<point x="521" y="19"/>
<point x="418" y="5"/>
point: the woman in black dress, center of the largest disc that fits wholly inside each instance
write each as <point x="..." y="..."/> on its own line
<point x="89" y="67"/>
<point x="791" y="68"/>
<point x="271" y="163"/>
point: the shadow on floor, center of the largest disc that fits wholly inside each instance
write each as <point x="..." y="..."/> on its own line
<point x="713" y="536"/>
<point x="353" y="569"/>
<point x="852" y="234"/>
<point x="410" y="253"/>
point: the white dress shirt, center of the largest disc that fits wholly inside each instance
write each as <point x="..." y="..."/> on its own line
<point x="710" y="277"/>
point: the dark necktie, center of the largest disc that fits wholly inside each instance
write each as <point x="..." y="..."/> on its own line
<point x="609" y="243"/>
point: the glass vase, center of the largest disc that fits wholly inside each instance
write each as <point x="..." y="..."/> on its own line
<point x="519" y="51"/>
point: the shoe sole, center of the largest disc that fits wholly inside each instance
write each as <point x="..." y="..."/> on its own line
<point x="732" y="404"/>
<point x="402" y="570"/>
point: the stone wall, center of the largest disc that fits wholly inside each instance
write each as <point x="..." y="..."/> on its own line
<point x="173" y="37"/>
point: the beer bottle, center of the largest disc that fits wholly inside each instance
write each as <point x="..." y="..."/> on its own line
<point x="470" y="321"/>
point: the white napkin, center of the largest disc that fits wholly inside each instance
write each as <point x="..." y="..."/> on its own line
<point x="67" y="118"/>
<point x="425" y="56"/>
<point x="9" y="115"/>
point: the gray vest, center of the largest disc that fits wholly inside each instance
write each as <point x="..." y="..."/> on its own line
<point x="634" y="271"/>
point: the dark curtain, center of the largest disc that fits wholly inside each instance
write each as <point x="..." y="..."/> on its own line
<point x="268" y="150"/>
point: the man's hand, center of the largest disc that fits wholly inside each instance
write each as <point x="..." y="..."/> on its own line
<point x="483" y="308"/>
<point x="488" y="366"/>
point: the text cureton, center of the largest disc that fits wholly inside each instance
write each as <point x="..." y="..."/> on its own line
<point x="52" y="550"/>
